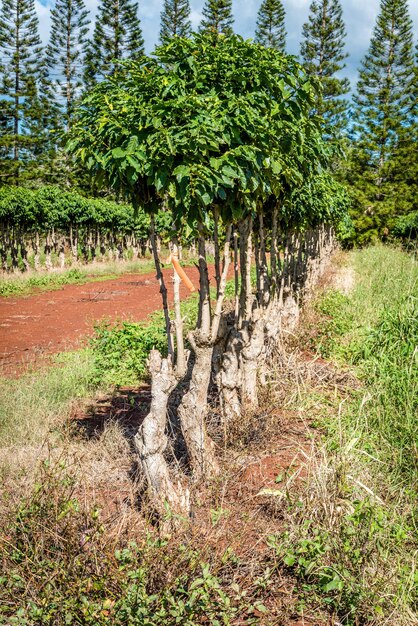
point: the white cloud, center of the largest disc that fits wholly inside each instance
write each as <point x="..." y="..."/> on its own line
<point x="43" y="14"/>
<point x="196" y="18"/>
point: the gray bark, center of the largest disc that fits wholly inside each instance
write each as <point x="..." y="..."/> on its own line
<point x="193" y="409"/>
<point x="151" y="440"/>
<point x="181" y="364"/>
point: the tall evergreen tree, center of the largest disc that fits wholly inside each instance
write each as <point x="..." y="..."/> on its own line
<point x="117" y="35"/>
<point x="5" y="126"/>
<point x="322" y="50"/>
<point x="271" y="31"/>
<point x="44" y="129"/>
<point x="217" y="17"/>
<point x="65" y="52"/>
<point x="175" y="20"/>
<point x="20" y="98"/>
<point x="384" y="122"/>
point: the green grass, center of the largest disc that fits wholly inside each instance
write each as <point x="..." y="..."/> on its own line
<point x="376" y="330"/>
<point x="32" y="405"/>
<point x="23" y="284"/>
<point x="385" y="276"/>
<point x="351" y="537"/>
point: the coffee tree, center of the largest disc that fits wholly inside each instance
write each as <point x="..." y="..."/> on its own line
<point x="219" y="131"/>
<point x="48" y="226"/>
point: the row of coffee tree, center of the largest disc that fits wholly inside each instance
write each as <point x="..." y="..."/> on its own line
<point x="48" y="227"/>
<point x="223" y="133"/>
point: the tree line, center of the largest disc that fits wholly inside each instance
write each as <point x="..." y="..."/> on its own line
<point x="52" y="227"/>
<point x="41" y="88"/>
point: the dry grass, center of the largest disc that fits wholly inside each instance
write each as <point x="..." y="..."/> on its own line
<point x="351" y="537"/>
<point x="85" y="455"/>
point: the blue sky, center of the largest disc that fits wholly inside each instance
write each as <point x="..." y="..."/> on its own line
<point x="359" y="15"/>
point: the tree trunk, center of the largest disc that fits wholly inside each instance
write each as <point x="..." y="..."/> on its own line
<point x="181" y="365"/>
<point x="135" y="248"/>
<point x="230" y="377"/>
<point x="48" y="250"/>
<point x="151" y="440"/>
<point x="193" y="409"/>
<point x="250" y="359"/>
<point x="74" y="245"/>
<point x="92" y="246"/>
<point x="3" y="250"/>
<point x="163" y="288"/>
<point x="217" y="253"/>
<point x="236" y="274"/>
<point x="36" y="258"/>
<point x="61" y="254"/>
<point x="24" y="254"/>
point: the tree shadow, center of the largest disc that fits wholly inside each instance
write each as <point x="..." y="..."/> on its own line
<point x="127" y="407"/>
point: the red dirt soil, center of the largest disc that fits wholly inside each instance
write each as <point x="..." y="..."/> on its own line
<point x="55" y="321"/>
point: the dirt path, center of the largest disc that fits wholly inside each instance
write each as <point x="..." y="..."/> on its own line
<point x="55" y="321"/>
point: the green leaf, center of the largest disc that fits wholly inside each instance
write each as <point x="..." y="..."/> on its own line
<point x="181" y="171"/>
<point x="118" y="153"/>
<point x="160" y="180"/>
<point x="334" y="585"/>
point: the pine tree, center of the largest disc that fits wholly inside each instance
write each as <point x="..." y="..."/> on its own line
<point x="117" y="35"/>
<point x="322" y="50"/>
<point x="65" y="52"/>
<point x="271" y="31"/>
<point x="405" y="157"/>
<point x="5" y="121"/>
<point x="44" y="129"/>
<point x="175" y="20"/>
<point x="217" y="17"/>
<point x="384" y="122"/>
<point x="23" y="70"/>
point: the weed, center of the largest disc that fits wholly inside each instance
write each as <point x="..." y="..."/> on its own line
<point x="346" y="566"/>
<point x="388" y="363"/>
<point x="337" y="321"/>
<point x="58" y="566"/>
<point x="29" y="407"/>
<point x="121" y="349"/>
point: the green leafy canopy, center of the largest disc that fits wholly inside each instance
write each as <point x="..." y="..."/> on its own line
<point x="205" y="122"/>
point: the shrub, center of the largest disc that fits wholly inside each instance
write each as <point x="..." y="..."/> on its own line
<point x="343" y="559"/>
<point x="121" y="350"/>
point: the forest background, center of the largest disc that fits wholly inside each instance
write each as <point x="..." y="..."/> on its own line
<point x="47" y="64"/>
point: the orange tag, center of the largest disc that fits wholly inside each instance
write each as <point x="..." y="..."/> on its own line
<point x="183" y="276"/>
